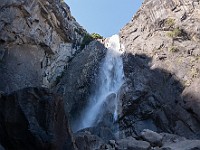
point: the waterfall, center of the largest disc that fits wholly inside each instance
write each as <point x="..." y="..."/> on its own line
<point x="110" y="79"/>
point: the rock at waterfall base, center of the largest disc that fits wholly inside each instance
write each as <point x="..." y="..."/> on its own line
<point x="34" y="118"/>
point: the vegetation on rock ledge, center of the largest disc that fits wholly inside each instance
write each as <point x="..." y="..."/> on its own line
<point x="170" y="22"/>
<point x="174" y="33"/>
<point x="88" y="38"/>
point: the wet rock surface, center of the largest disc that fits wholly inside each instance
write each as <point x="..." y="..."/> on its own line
<point x="34" y="118"/>
<point x="79" y="78"/>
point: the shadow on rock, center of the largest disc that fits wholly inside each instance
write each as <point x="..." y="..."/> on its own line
<point x="153" y="98"/>
<point x="34" y="118"/>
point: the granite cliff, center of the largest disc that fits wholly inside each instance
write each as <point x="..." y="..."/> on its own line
<point x="38" y="39"/>
<point x="47" y="77"/>
<point x="161" y="64"/>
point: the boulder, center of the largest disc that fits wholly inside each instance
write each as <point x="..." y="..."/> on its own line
<point x="34" y="118"/>
<point x="175" y="142"/>
<point x="131" y="143"/>
<point x="152" y="137"/>
<point x="183" y="145"/>
<point x="87" y="141"/>
<point x="171" y="138"/>
<point x="103" y="132"/>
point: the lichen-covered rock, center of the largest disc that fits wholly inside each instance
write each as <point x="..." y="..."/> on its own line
<point x="37" y="40"/>
<point x="34" y="118"/>
<point x="161" y="65"/>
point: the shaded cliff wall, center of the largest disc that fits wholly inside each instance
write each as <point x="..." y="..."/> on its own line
<point x="161" y="64"/>
<point x="34" y="118"/>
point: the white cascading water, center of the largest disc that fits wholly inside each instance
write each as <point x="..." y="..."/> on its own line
<point x="109" y="82"/>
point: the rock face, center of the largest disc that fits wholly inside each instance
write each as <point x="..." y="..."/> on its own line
<point x="79" y="78"/>
<point x="34" y="118"/>
<point x="37" y="40"/>
<point x="40" y="47"/>
<point x="161" y="65"/>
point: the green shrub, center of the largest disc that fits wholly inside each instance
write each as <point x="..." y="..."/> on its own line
<point x="173" y="49"/>
<point x="170" y="22"/>
<point x="96" y="36"/>
<point x="174" y="33"/>
<point x="88" y="38"/>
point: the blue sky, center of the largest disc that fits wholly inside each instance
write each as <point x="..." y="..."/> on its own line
<point x="105" y="17"/>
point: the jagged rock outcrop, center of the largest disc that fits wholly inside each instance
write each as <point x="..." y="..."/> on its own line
<point x="79" y="78"/>
<point x="37" y="40"/>
<point x="34" y="118"/>
<point x="161" y="65"/>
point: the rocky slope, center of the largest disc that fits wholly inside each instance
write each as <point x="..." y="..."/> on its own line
<point x="161" y="64"/>
<point x="37" y="40"/>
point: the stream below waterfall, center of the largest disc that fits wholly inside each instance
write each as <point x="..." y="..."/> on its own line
<point x="103" y="103"/>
